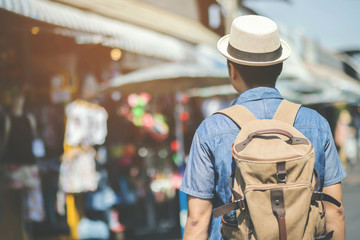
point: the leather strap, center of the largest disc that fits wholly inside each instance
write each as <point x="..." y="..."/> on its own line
<point x="317" y="180"/>
<point x="281" y="173"/>
<point x="320" y="196"/>
<point x="287" y="112"/>
<point x="292" y="140"/>
<point x="278" y="207"/>
<point x="282" y="227"/>
<point x="237" y="204"/>
<point x="327" y="236"/>
<point x="239" y="114"/>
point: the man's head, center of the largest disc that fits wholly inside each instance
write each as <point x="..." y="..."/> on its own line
<point x="254" y="76"/>
<point x="255" y="50"/>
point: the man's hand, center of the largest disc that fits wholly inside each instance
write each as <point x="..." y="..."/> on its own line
<point x="335" y="216"/>
<point x="197" y="224"/>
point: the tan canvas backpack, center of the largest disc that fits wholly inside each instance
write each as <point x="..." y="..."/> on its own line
<point x="275" y="184"/>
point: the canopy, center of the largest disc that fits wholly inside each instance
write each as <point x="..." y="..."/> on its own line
<point x="299" y="82"/>
<point x="336" y="85"/>
<point x="149" y="16"/>
<point x="87" y="27"/>
<point x="169" y="78"/>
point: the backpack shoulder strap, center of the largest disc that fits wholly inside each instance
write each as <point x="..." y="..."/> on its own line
<point x="239" y="114"/>
<point x="287" y="112"/>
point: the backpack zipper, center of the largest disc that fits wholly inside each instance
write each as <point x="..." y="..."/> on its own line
<point x="262" y="187"/>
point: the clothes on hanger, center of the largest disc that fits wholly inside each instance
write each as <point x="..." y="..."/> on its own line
<point x="86" y="124"/>
<point x="18" y="149"/>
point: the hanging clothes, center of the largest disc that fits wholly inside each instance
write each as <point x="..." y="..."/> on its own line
<point x="86" y="124"/>
<point x="19" y="143"/>
<point x="78" y="171"/>
<point x="21" y="185"/>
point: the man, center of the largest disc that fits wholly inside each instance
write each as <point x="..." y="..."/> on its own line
<point x="255" y="53"/>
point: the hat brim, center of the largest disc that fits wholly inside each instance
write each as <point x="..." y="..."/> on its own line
<point x="223" y="43"/>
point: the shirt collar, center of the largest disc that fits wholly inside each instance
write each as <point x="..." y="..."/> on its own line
<point x="257" y="94"/>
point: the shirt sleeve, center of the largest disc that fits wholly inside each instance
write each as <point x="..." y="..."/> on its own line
<point x="334" y="170"/>
<point x="198" y="180"/>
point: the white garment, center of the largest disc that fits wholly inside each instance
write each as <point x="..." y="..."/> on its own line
<point x="86" y="124"/>
<point x="78" y="171"/>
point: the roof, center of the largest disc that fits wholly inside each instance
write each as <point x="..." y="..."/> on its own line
<point x="151" y="17"/>
<point x="168" y="78"/>
<point x="88" y="27"/>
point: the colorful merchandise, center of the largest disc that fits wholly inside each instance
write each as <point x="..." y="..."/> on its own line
<point x="86" y="124"/>
<point x="78" y="171"/>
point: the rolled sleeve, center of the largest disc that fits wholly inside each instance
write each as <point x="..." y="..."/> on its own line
<point x="198" y="180"/>
<point x="334" y="170"/>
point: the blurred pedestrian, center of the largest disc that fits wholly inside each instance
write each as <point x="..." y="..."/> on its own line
<point x="255" y="55"/>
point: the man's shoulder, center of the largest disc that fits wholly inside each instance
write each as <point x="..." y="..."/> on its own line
<point x="311" y="118"/>
<point x="216" y="124"/>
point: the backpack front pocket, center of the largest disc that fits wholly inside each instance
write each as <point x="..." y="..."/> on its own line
<point x="276" y="206"/>
<point x="240" y="229"/>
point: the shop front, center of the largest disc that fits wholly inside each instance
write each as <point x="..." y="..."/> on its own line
<point x="115" y="107"/>
<point x="159" y="119"/>
<point x="114" y="182"/>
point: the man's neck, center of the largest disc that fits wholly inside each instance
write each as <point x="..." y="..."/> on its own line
<point x="245" y="87"/>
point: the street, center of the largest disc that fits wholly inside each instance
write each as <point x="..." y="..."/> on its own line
<point x="351" y="200"/>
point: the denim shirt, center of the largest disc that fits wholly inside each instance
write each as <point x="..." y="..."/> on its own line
<point x="210" y="164"/>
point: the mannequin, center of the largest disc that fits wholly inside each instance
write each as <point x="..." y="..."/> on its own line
<point x="21" y="175"/>
<point x="20" y="135"/>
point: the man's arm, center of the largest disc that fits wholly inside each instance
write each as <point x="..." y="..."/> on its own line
<point x="199" y="213"/>
<point x="335" y="216"/>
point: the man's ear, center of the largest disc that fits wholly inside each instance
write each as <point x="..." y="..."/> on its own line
<point x="232" y="71"/>
<point x="236" y="80"/>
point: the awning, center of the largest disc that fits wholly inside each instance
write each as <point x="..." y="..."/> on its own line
<point x="93" y="28"/>
<point x="169" y="78"/>
<point x="203" y="81"/>
<point x="337" y="86"/>
<point x="148" y="16"/>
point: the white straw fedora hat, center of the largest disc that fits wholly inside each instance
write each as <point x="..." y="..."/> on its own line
<point x="254" y="41"/>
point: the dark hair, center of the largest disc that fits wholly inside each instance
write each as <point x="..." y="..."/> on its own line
<point x="255" y="76"/>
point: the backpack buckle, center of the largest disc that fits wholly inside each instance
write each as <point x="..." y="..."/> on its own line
<point x="281" y="177"/>
<point x="281" y="173"/>
<point x="241" y="204"/>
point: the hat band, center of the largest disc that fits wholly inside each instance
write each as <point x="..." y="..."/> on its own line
<point x="254" y="57"/>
